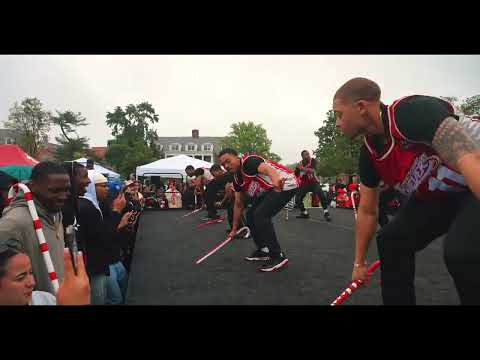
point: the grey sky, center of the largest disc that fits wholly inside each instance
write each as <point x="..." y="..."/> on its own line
<point x="288" y="94"/>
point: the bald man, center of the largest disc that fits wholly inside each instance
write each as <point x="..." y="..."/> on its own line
<point x="417" y="146"/>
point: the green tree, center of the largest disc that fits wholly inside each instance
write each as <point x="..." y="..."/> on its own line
<point x="248" y="137"/>
<point x="335" y="152"/>
<point x="72" y="146"/>
<point x="135" y="140"/>
<point x="471" y="106"/>
<point x="30" y="123"/>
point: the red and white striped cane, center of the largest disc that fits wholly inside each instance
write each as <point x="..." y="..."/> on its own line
<point x="37" y="225"/>
<point x="192" y="212"/>
<point x="352" y="197"/>
<point x="223" y="243"/>
<point x="354" y="285"/>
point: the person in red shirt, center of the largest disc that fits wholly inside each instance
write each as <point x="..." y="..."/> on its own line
<point x="306" y="172"/>
<point x="269" y="186"/>
<point x="418" y="146"/>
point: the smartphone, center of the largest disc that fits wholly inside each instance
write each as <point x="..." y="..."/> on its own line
<point x="71" y="242"/>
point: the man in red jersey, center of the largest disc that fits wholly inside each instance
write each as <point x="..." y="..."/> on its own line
<point x="269" y="186"/>
<point x="306" y="172"/>
<point x="418" y="146"/>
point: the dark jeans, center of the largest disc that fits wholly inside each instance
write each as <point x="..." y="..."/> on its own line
<point x="313" y="188"/>
<point x="259" y="219"/>
<point x="212" y="188"/>
<point x="415" y="226"/>
<point x="188" y="199"/>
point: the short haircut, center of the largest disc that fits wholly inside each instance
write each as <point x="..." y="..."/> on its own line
<point x="303" y="151"/>
<point x="42" y="170"/>
<point x="199" y="172"/>
<point x="228" y="151"/>
<point x="189" y="167"/>
<point x="72" y="168"/>
<point x="359" y="89"/>
<point x="215" y="167"/>
<point x="70" y="210"/>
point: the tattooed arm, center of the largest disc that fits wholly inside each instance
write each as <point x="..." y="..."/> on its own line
<point x="457" y="148"/>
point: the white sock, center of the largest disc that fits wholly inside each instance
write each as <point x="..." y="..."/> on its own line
<point x="325" y="211"/>
<point x="265" y="250"/>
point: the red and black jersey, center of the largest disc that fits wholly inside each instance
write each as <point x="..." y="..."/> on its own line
<point x="253" y="184"/>
<point x="411" y="166"/>
<point x="307" y="178"/>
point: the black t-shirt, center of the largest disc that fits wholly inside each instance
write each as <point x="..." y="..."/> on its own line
<point x="417" y="118"/>
<point x="250" y="167"/>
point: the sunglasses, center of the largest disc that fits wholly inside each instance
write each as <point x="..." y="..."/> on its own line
<point x="9" y="244"/>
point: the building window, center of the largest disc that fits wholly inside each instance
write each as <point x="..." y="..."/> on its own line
<point x="9" y="141"/>
<point x="160" y="147"/>
<point x="207" y="147"/>
<point x="191" y="147"/>
<point x="169" y="156"/>
<point x="199" y="157"/>
<point x="175" y="147"/>
<point x="207" y="158"/>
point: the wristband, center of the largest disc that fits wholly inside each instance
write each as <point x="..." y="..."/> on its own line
<point x="357" y="265"/>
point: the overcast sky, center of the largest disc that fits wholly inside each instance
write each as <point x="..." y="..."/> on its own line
<point x="288" y="94"/>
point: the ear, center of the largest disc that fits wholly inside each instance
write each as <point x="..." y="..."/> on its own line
<point x="362" y="105"/>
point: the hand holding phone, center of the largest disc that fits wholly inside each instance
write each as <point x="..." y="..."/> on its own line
<point x="71" y="243"/>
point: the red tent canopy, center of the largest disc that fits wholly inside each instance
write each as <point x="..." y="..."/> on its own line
<point x="14" y="155"/>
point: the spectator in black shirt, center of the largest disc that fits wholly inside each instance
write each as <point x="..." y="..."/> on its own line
<point x="98" y="232"/>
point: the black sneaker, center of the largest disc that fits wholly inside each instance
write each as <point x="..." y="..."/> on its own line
<point x="275" y="264"/>
<point x="258" y="255"/>
<point x="327" y="216"/>
<point x="303" y="216"/>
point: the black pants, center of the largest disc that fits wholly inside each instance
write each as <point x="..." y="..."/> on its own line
<point x="188" y="199"/>
<point x="313" y="188"/>
<point x="259" y="219"/>
<point x="212" y="188"/>
<point x="415" y="226"/>
<point x="385" y="197"/>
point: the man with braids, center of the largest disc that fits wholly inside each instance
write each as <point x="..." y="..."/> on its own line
<point x="418" y="146"/>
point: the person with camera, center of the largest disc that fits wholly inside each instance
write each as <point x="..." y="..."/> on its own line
<point x="98" y="231"/>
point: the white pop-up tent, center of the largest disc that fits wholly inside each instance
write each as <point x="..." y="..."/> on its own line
<point x="173" y="166"/>
<point x="99" y="168"/>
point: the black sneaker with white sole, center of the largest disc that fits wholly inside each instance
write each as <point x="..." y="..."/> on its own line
<point x="275" y="264"/>
<point x="327" y="217"/>
<point x="258" y="255"/>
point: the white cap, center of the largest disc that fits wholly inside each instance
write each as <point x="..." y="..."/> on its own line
<point x="99" y="178"/>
